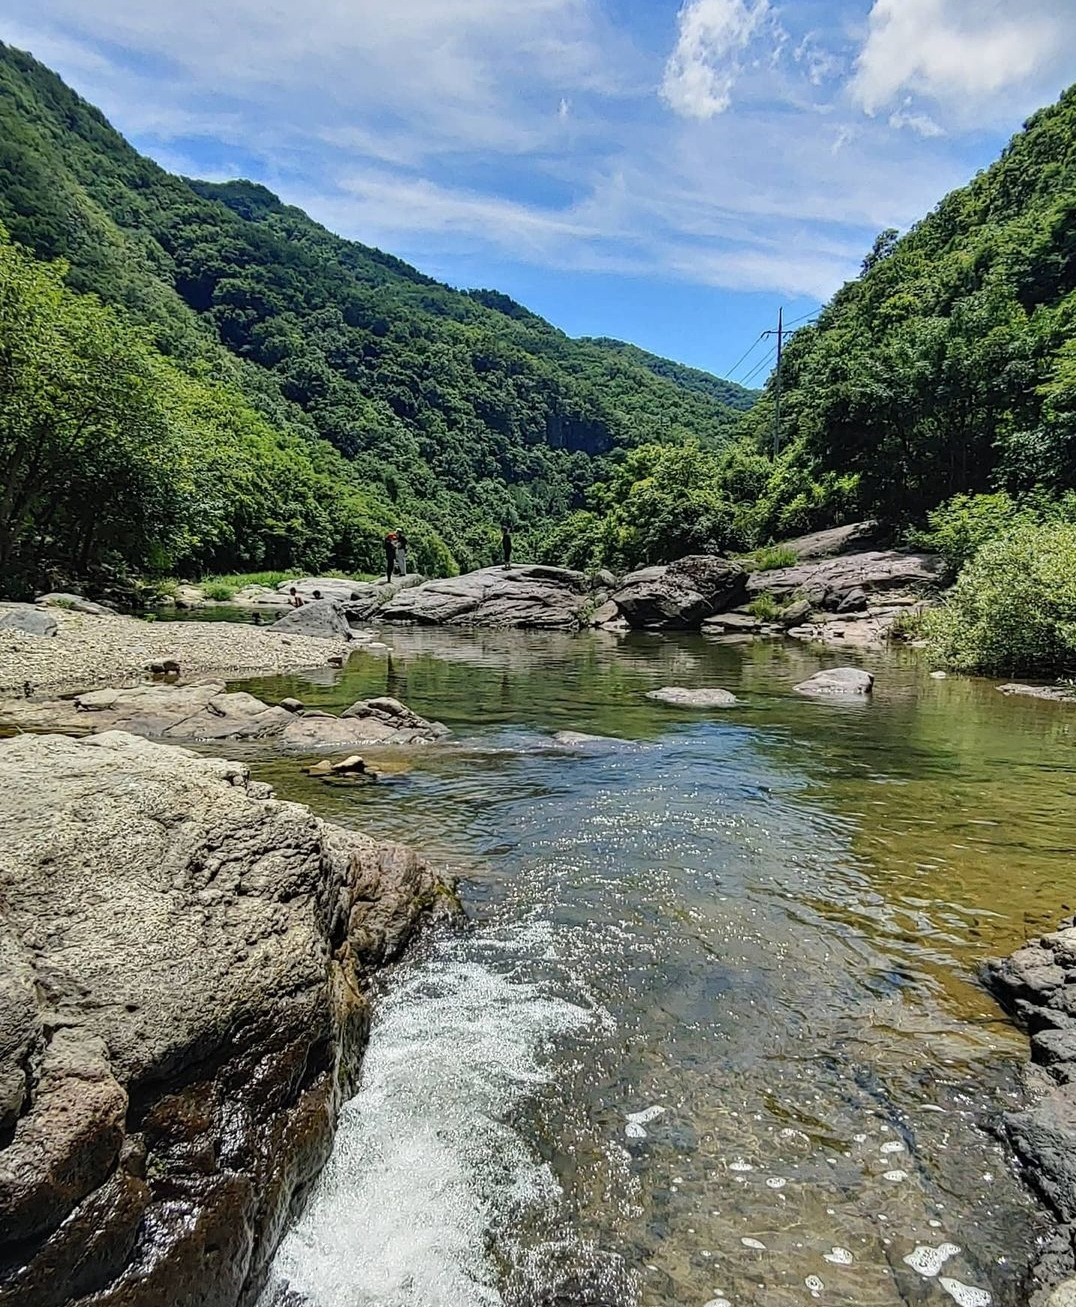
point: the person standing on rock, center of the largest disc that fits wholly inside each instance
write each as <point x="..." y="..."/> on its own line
<point x="401" y="553"/>
<point x="506" y="544"/>
<point x="390" y="556"/>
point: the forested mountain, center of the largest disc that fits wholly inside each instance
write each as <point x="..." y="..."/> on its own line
<point x="702" y="383"/>
<point x="397" y="398"/>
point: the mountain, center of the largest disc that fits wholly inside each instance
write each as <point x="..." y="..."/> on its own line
<point x="693" y="379"/>
<point x="949" y="365"/>
<point x="453" y="410"/>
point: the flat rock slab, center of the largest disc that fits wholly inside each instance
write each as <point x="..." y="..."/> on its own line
<point x="829" y="580"/>
<point x="27" y="620"/>
<point x="74" y="603"/>
<point x="185" y="958"/>
<point x="677" y="696"/>
<point x="1052" y="692"/>
<point x="838" y="681"/>
<point x="835" y="540"/>
<point x="575" y="739"/>
<point x="544" y="598"/>
<point x="681" y="595"/>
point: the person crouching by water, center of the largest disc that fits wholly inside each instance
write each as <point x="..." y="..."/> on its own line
<point x="401" y="553"/>
<point x="506" y="545"/>
<point x="390" y="556"/>
<point x="295" y="599"/>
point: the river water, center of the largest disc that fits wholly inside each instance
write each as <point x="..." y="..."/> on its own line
<point x="713" y="1034"/>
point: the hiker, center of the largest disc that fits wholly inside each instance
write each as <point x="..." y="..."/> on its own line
<point x="401" y="553"/>
<point x="295" y="599"/>
<point x="390" y="556"/>
<point x="506" y="545"/>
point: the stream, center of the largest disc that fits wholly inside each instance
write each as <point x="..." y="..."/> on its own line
<point x="712" y="1035"/>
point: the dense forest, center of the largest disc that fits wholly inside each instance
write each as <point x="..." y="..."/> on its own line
<point x="310" y="391"/>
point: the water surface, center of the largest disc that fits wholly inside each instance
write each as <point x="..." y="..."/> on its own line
<point x="714" y="1035"/>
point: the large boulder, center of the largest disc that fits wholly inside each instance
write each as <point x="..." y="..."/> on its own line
<point x="838" y="681"/>
<point x="323" y="618"/>
<point x="681" y="595"/>
<point x="74" y="603"/>
<point x="331" y="587"/>
<point x="828" y="582"/>
<point x="547" y="598"/>
<point x="370" y="721"/>
<point x="27" y="620"/>
<point x="678" y="696"/>
<point x="183" y="1005"/>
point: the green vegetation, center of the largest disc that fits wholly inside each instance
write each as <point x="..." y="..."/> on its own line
<point x="1013" y="608"/>
<point x="771" y="557"/>
<point x="765" y="607"/>
<point x="373" y="395"/>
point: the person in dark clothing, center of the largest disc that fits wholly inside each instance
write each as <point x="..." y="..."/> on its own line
<point x="390" y="556"/>
<point x="506" y="545"/>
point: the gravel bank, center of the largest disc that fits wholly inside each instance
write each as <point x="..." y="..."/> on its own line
<point x="93" y="651"/>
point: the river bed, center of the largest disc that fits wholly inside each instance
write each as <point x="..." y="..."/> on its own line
<point x="713" y="1035"/>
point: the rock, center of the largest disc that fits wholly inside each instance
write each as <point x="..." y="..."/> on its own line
<point x="547" y="598"/>
<point x="164" y="667"/>
<point x="185" y="971"/>
<point x="324" y="619"/>
<point x="1054" y="692"/>
<point x="607" y="612"/>
<point x="733" y="624"/>
<point x="1044" y="1135"/>
<point x="795" y="613"/>
<point x="573" y="739"/>
<point x="835" y="540"/>
<point x="291" y="705"/>
<point x="838" y="681"/>
<point x="352" y="767"/>
<point x="75" y="603"/>
<point x="939" y="676"/>
<point x="27" y="620"/>
<point x="604" y="579"/>
<point x="371" y="721"/>
<point x="1052" y="1046"/>
<point x="853" y="601"/>
<point x="870" y="572"/>
<point x="681" y="595"/>
<point x="339" y="590"/>
<point x="1064" y="1295"/>
<point x="679" y="697"/>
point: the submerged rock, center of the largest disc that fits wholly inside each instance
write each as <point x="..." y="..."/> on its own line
<point x="679" y="697"/>
<point x="183" y="989"/>
<point x="838" y="681"/>
<point x="27" y="620"/>
<point x="546" y="598"/>
<point x="681" y="595"/>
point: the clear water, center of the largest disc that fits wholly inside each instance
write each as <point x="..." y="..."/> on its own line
<point x="714" y="1034"/>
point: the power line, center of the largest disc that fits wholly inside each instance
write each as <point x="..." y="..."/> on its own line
<point x="750" y="350"/>
<point x="813" y="314"/>
<point x="759" y="366"/>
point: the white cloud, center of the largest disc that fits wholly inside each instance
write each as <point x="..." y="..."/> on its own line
<point x="704" y="67"/>
<point x="960" y="53"/>
<point x="920" y="123"/>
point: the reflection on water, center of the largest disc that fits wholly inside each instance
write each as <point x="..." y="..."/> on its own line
<point x="715" y="1033"/>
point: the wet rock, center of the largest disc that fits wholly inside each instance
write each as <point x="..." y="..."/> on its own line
<point x="571" y="739"/>
<point x="186" y="962"/>
<point x="796" y="613"/>
<point x="545" y="598"/>
<point x="27" y="620"/>
<point x="291" y="705"/>
<point x="370" y="721"/>
<point x="830" y="580"/>
<point x="682" y="595"/>
<point x="351" y="768"/>
<point x="1054" y="692"/>
<point x="323" y="619"/>
<point x="733" y="624"/>
<point x="679" y="697"/>
<point x="74" y="603"/>
<point x="838" y="681"/>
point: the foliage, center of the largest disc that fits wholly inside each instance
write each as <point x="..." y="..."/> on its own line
<point x="1013" y="608"/>
<point x="770" y="557"/>
<point x="959" y="528"/>
<point x="765" y="607"/>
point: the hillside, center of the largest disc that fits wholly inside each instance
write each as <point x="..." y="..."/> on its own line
<point x="693" y="379"/>
<point x="453" y="410"/>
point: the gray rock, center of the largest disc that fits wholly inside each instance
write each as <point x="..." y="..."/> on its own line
<point x="324" y="619"/>
<point x="27" y="620"/>
<point x="604" y="613"/>
<point x="291" y="705"/>
<point x="679" y="697"/>
<point x="870" y="572"/>
<point x="835" y="540"/>
<point x="75" y="603"/>
<point x="838" y="681"/>
<point x="1054" y="692"/>
<point x="547" y="598"/>
<point x="681" y="595"/>
<point x="1051" y="1046"/>
<point x="371" y="721"/>
<point x="331" y="587"/>
<point x="796" y="613"/>
<point x="1064" y="1295"/>
<point x="852" y="601"/>
<point x="1045" y="1137"/>
<point x="184" y="995"/>
<point x="732" y="624"/>
<point x="573" y="739"/>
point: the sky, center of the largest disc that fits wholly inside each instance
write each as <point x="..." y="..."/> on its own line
<point x="667" y="173"/>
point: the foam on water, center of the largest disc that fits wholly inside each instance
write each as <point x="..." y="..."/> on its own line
<point x="427" y="1167"/>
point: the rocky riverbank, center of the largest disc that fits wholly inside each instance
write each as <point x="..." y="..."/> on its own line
<point x="1037" y="985"/>
<point x="184" y="990"/>
<point x="89" y="649"/>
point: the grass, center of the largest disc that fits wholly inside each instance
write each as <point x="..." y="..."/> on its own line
<point x="909" y="625"/>
<point x="765" y="607"/>
<point x="771" y="557"/>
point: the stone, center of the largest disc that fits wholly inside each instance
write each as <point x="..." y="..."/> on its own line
<point x="607" y="612"/>
<point x="852" y="601"/>
<point x="1054" y="692"/>
<point x="544" y="598"/>
<point x="1063" y="1295"/>
<point x="164" y="667"/>
<point x="1051" y="1046"/>
<point x="733" y="624"/>
<point x="939" y="676"/>
<point x="1044" y="1135"/>
<point x="679" y="697"/>
<point x="291" y="705"/>
<point x="870" y="572"/>
<point x="27" y="620"/>
<point x="850" y="681"/>
<point x="186" y="967"/>
<point x="339" y="590"/>
<point x="324" y="619"/>
<point x="370" y="721"/>
<point x="681" y="595"/>
<point x="796" y="613"/>
<point x="74" y="603"/>
<point x="352" y="767"/>
<point x="574" y="739"/>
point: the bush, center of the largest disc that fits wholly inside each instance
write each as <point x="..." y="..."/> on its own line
<point x="771" y="557"/>
<point x="1013" y="608"/>
<point x="959" y="528"/>
<point x="765" y="607"/>
<point x="218" y="593"/>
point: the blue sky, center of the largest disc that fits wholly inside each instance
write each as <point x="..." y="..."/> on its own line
<point x="667" y="173"/>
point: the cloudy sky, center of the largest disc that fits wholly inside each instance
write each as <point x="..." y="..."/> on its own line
<point x="668" y="173"/>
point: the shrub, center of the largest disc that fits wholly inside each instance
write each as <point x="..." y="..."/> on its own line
<point x="218" y="592"/>
<point x="765" y="607"/>
<point x="959" y="528"/>
<point x="771" y="557"/>
<point x="1013" y="608"/>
